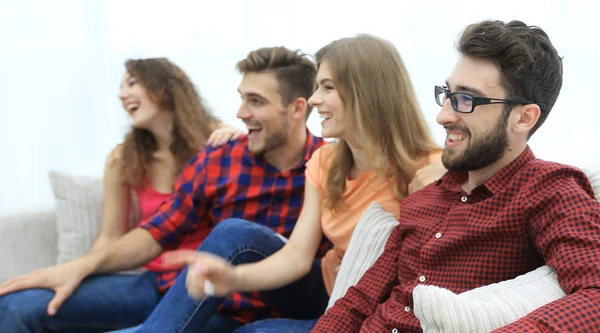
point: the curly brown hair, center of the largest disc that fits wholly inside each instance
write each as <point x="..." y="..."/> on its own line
<point x="174" y="92"/>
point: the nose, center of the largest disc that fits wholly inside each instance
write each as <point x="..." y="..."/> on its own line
<point x="123" y="94"/>
<point x="315" y="100"/>
<point x="447" y="115"/>
<point x="243" y="112"/>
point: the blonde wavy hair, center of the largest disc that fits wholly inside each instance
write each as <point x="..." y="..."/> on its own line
<point x="378" y="96"/>
<point x="167" y="85"/>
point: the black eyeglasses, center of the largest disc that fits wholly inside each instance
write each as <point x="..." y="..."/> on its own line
<point x="466" y="103"/>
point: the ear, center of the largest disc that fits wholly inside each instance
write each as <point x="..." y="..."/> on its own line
<point x="298" y="108"/>
<point x="527" y="117"/>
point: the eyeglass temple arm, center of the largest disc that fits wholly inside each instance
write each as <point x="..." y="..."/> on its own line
<point x="486" y="100"/>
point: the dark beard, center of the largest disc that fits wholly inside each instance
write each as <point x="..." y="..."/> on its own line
<point x="479" y="153"/>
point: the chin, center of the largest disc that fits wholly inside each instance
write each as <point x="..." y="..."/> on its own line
<point x="328" y="134"/>
<point x="141" y="123"/>
<point x="140" y="126"/>
<point x="255" y="148"/>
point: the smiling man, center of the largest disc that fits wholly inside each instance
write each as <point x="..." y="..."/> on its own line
<point x="498" y="212"/>
<point x="258" y="178"/>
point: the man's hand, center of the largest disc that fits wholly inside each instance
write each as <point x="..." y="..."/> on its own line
<point x="222" y="135"/>
<point x="426" y="176"/>
<point x="207" y="274"/>
<point x="63" y="279"/>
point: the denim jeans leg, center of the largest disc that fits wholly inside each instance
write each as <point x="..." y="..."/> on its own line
<point x="127" y="330"/>
<point x="100" y="302"/>
<point x="309" y="296"/>
<point x="216" y="324"/>
<point x="279" y="325"/>
<point x="236" y="240"/>
<point x="300" y="315"/>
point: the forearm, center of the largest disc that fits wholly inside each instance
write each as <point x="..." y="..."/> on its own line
<point x="282" y="268"/>
<point x="133" y="250"/>
<point x="578" y="312"/>
<point x="103" y="241"/>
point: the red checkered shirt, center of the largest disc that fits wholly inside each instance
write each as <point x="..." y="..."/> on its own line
<point x="225" y="182"/>
<point x="528" y="214"/>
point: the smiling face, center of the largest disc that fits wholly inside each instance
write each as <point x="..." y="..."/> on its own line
<point x="478" y="139"/>
<point x="329" y="104"/>
<point x="266" y="118"/>
<point x="135" y="100"/>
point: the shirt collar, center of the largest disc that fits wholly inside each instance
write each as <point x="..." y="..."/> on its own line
<point x="453" y="180"/>
<point x="312" y="144"/>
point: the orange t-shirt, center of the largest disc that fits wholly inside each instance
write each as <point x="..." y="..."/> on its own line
<point x="338" y="226"/>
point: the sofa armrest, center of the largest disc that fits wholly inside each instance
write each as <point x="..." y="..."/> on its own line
<point x="27" y="242"/>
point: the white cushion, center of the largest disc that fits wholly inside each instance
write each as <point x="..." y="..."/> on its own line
<point x="593" y="174"/>
<point x="486" y="308"/>
<point x="28" y="242"/>
<point x="367" y="243"/>
<point x="78" y="213"/>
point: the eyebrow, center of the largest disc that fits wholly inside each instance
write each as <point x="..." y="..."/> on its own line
<point x="467" y="89"/>
<point x="325" y="80"/>
<point x="127" y="80"/>
<point x="254" y="95"/>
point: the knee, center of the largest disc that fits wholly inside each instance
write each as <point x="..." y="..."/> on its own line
<point x="225" y="234"/>
<point x="230" y="225"/>
<point x="233" y="234"/>
<point x="24" y="308"/>
<point x="237" y="230"/>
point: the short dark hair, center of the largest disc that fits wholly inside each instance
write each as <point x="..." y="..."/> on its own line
<point x="294" y="71"/>
<point x="529" y="65"/>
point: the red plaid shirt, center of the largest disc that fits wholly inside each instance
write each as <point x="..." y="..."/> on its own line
<point x="529" y="213"/>
<point x="225" y="182"/>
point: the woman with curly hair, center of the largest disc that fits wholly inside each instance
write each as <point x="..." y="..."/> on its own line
<point x="169" y="125"/>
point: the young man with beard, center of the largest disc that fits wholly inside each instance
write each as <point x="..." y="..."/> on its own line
<point x="497" y="202"/>
<point x="259" y="178"/>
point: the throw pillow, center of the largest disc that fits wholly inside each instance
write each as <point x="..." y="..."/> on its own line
<point x="366" y="244"/>
<point x="78" y="213"/>
<point x="593" y="174"/>
<point x="486" y="308"/>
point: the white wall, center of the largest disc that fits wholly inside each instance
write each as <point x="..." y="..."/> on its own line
<point x="61" y="62"/>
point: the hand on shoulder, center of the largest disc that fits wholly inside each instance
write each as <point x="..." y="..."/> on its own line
<point x="224" y="134"/>
<point x="428" y="174"/>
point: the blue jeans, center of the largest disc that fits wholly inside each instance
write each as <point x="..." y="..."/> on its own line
<point x="239" y="242"/>
<point x="216" y="324"/>
<point x="279" y="325"/>
<point x="100" y="303"/>
<point x="261" y="326"/>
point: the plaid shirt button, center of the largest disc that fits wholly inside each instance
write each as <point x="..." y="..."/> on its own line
<point x="395" y="330"/>
<point x="463" y="198"/>
<point x="422" y="278"/>
<point x="438" y="235"/>
<point x="407" y="308"/>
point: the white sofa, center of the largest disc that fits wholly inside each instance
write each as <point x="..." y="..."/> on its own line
<point x="39" y="238"/>
<point x="28" y="241"/>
